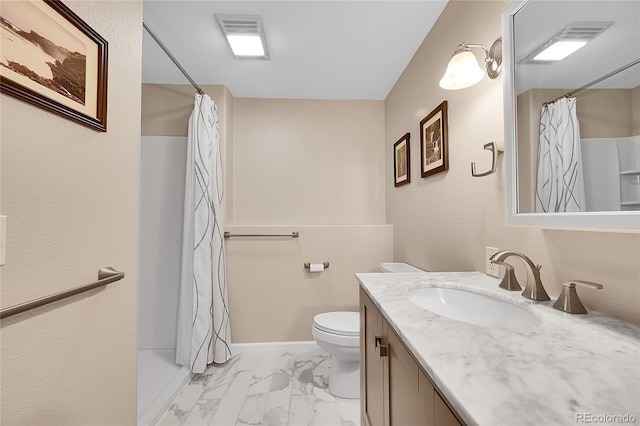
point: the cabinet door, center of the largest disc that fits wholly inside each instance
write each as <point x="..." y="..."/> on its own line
<point x="426" y="395"/>
<point x="408" y="406"/>
<point x="443" y="415"/>
<point x="371" y="364"/>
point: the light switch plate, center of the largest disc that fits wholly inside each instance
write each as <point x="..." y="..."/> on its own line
<point x="3" y="240"/>
<point x="490" y="267"/>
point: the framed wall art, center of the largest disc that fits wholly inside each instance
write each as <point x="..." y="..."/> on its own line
<point x="53" y="60"/>
<point x="434" y="148"/>
<point x="401" y="161"/>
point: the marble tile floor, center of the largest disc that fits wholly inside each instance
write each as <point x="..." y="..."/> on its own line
<point x="268" y="388"/>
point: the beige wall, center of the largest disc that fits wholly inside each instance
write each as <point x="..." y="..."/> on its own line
<point x="308" y="161"/>
<point x="273" y="298"/>
<point x="310" y="164"/>
<point x="313" y="166"/>
<point x="444" y="222"/>
<point x="70" y="195"/>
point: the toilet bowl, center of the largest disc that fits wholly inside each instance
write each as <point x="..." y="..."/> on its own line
<point x="339" y="334"/>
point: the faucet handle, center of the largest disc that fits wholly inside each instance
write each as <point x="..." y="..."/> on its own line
<point x="569" y="300"/>
<point x="509" y="281"/>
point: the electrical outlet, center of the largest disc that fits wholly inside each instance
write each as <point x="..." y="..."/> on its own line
<point x="490" y="267"/>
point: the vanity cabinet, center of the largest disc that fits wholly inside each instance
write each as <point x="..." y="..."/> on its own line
<point x="371" y="363"/>
<point x="395" y="391"/>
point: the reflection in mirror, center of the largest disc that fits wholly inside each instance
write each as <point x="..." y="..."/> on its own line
<point x="577" y="150"/>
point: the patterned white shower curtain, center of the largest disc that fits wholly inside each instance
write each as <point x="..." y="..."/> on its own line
<point x="560" y="182"/>
<point x="204" y="334"/>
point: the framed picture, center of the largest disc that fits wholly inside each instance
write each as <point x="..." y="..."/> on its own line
<point x="434" y="148"/>
<point x="401" y="163"/>
<point x="52" y="59"/>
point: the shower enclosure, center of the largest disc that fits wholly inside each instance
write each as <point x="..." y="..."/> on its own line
<point x="161" y="205"/>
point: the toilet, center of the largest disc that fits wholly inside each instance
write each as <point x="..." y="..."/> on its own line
<point x="339" y="334"/>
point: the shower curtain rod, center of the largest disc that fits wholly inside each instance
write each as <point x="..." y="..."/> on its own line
<point x="596" y="81"/>
<point x="173" y="58"/>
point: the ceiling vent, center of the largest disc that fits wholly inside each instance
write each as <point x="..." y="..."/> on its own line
<point x="566" y="41"/>
<point x="245" y="35"/>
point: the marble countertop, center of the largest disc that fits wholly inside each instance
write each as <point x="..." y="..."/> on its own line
<point x="570" y="369"/>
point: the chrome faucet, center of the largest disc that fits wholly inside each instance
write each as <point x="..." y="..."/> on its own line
<point x="533" y="289"/>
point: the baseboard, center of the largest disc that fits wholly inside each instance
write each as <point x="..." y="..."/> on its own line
<point x="304" y="346"/>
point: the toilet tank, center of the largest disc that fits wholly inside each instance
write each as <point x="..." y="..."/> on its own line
<point x="395" y="267"/>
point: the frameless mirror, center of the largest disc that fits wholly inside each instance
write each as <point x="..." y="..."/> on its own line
<point x="572" y="125"/>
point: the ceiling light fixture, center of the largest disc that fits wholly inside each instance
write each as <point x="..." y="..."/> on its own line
<point x="559" y="50"/>
<point x="566" y="41"/>
<point x="245" y="36"/>
<point x="246" y="45"/>
<point x="463" y="69"/>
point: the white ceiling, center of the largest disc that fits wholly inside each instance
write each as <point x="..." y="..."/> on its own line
<point x="319" y="49"/>
<point x="618" y="45"/>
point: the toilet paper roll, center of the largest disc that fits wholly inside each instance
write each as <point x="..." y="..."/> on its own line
<point x="316" y="267"/>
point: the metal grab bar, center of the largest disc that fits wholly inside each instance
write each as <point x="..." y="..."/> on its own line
<point x="230" y="235"/>
<point x="106" y="276"/>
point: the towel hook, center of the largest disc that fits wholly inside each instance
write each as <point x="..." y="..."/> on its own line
<point x="495" y="151"/>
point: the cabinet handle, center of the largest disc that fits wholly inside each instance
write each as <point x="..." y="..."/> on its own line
<point x="382" y="346"/>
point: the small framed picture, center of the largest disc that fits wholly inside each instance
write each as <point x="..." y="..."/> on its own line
<point x="53" y="60"/>
<point x="401" y="161"/>
<point x="434" y="148"/>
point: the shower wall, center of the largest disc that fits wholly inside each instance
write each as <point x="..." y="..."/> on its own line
<point x="162" y="176"/>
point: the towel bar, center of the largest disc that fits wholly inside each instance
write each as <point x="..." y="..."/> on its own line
<point x="230" y="235"/>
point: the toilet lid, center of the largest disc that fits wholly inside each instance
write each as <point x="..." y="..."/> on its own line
<point x="343" y="323"/>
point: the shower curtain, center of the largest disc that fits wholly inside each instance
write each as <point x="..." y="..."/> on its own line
<point x="560" y="182"/>
<point x="204" y="334"/>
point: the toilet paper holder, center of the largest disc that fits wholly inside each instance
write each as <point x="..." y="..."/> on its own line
<point x="307" y="265"/>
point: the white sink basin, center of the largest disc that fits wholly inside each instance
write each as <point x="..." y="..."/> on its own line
<point x="472" y="308"/>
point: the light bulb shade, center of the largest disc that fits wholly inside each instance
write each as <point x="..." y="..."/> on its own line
<point x="463" y="71"/>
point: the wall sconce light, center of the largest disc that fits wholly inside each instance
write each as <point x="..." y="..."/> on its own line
<point x="463" y="69"/>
